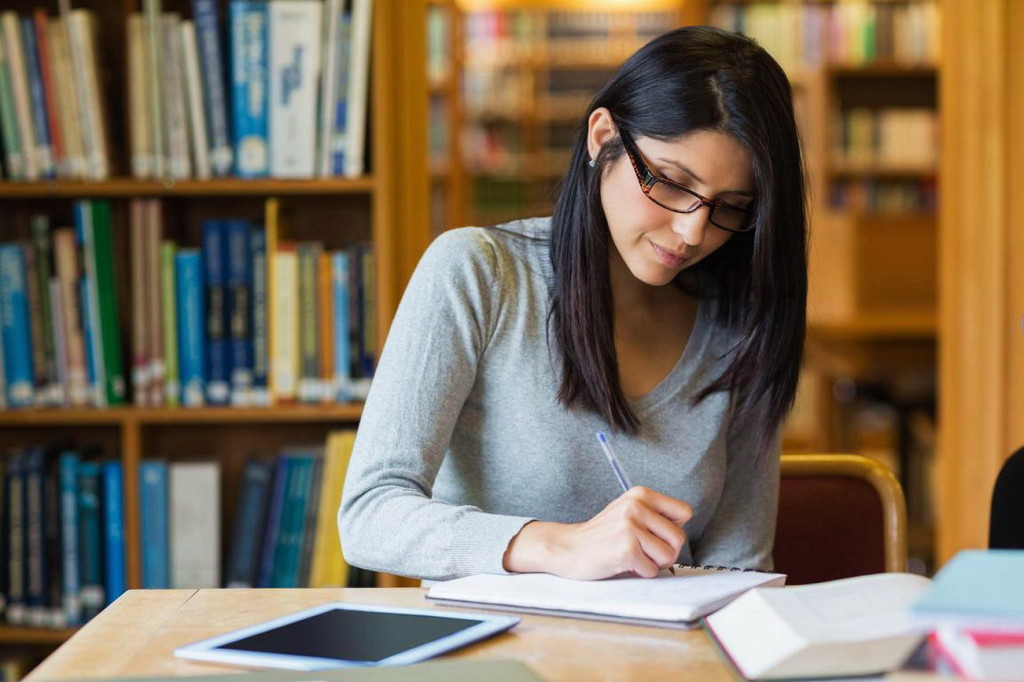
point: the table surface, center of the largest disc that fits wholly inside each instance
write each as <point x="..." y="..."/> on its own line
<point x="137" y="634"/>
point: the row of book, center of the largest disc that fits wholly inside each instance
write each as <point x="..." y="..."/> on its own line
<point x="294" y="103"/>
<point x="53" y="119"/>
<point x="854" y="32"/>
<point x="901" y="137"/>
<point x="62" y="535"/>
<point x="62" y="527"/>
<point x="245" y="320"/>
<point x="885" y="196"/>
<point x="282" y="92"/>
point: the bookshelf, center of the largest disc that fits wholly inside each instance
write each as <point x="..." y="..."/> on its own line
<point x="382" y="206"/>
<point x="444" y="67"/>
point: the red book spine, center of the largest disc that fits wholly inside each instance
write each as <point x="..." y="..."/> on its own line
<point x="49" y="86"/>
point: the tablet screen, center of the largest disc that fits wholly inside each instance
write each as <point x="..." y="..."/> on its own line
<point x="351" y="635"/>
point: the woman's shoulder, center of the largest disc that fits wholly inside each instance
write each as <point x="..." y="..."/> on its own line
<point x="496" y="248"/>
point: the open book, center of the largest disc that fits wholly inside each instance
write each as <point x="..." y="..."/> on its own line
<point x="855" y="626"/>
<point x="676" y="598"/>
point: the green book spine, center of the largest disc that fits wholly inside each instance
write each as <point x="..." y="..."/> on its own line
<point x="43" y="242"/>
<point x="106" y="284"/>
<point x="309" y="334"/>
<point x="172" y="382"/>
<point x="291" y="476"/>
<point x="8" y="118"/>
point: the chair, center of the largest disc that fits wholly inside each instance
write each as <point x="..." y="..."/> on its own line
<point x="839" y="516"/>
<point x="1006" y="527"/>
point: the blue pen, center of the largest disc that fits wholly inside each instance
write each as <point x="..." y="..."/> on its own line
<point x="613" y="460"/>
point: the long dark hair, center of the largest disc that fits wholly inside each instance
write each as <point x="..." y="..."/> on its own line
<point x="690" y="79"/>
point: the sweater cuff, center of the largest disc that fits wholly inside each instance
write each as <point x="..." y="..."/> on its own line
<point x="479" y="542"/>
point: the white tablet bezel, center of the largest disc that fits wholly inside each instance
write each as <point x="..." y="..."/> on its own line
<point x="206" y="650"/>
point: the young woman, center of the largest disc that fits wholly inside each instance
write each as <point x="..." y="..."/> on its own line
<point x="662" y="303"/>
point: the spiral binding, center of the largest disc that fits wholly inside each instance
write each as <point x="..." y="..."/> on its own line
<point x="716" y="568"/>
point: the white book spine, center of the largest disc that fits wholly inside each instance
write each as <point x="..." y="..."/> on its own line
<point x="138" y="124"/>
<point x="358" y="81"/>
<point x="194" y="98"/>
<point x="154" y="78"/>
<point x="328" y="86"/>
<point x="60" y="344"/>
<point x="179" y="161"/>
<point x="194" y="501"/>
<point x="67" y="102"/>
<point x="81" y="29"/>
<point x="294" y="78"/>
<point x="19" y="86"/>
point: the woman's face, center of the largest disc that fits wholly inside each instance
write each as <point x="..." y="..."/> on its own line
<point x="657" y="244"/>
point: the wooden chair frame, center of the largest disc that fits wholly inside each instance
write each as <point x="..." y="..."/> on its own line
<point x="881" y="478"/>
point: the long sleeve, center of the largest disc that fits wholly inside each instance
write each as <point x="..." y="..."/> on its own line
<point x="741" y="531"/>
<point x="388" y="520"/>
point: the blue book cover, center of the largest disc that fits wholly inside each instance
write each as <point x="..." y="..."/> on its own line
<point x="342" y="330"/>
<point x="250" y="520"/>
<point x="282" y="472"/>
<point x="211" y="67"/>
<point x="976" y="588"/>
<point x="260" y="322"/>
<point x="40" y="123"/>
<point x="286" y="562"/>
<point x="218" y="362"/>
<point x="113" y="529"/>
<point x="90" y="538"/>
<point x="191" y="332"/>
<point x="19" y="373"/>
<point x="67" y="473"/>
<point x="238" y="285"/>
<point x="250" y="85"/>
<point x="155" y="538"/>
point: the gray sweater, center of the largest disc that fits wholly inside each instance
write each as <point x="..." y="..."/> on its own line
<point x="463" y="441"/>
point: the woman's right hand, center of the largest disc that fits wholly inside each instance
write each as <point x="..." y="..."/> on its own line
<point x="640" y="532"/>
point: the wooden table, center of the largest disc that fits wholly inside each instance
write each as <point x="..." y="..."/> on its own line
<point x="136" y="635"/>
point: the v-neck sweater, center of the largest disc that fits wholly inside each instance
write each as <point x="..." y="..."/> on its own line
<point x="463" y="440"/>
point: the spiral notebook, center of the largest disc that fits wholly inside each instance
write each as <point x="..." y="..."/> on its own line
<point x="679" y="597"/>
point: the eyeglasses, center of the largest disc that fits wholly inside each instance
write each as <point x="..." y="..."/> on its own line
<point x="679" y="199"/>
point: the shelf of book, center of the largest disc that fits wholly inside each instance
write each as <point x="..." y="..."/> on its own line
<point x="144" y="416"/>
<point x="225" y="187"/>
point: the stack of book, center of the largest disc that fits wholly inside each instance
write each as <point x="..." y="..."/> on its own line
<point x="976" y="610"/>
<point x="62" y="534"/>
<point x="284" y="97"/>
<point x="52" y="118"/>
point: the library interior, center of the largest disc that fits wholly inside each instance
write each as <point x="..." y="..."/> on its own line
<point x="210" y="211"/>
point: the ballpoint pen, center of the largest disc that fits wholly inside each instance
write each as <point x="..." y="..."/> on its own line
<point x="613" y="460"/>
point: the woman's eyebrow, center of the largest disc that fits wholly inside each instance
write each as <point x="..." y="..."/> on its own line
<point x="673" y="162"/>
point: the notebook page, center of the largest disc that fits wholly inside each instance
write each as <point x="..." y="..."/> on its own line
<point x="686" y="595"/>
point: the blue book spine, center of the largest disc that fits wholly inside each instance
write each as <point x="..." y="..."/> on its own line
<point x="218" y="362"/>
<point x="260" y="323"/>
<point x="68" y="471"/>
<point x="250" y="61"/>
<point x="340" y="126"/>
<point x="14" y="498"/>
<point x="281" y="574"/>
<point x="238" y="269"/>
<point x="211" y="64"/>
<point x="155" y="538"/>
<point x="43" y="144"/>
<point x="90" y="538"/>
<point x="191" y="334"/>
<point x="19" y="373"/>
<point x="113" y="526"/>
<point x="87" y="337"/>
<point x="342" y="332"/>
<point x="274" y="513"/>
<point x="244" y="560"/>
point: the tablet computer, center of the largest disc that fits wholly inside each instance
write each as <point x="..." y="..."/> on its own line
<point x="338" y="635"/>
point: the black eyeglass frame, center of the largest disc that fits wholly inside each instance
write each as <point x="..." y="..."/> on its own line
<point x="648" y="180"/>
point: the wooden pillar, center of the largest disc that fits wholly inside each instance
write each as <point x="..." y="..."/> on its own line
<point x="981" y="259"/>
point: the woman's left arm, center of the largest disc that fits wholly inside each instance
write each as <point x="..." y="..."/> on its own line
<point x="741" y="531"/>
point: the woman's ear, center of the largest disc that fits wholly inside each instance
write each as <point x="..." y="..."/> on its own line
<point x="600" y="129"/>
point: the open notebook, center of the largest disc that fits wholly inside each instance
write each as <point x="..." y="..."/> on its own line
<point x="676" y="598"/>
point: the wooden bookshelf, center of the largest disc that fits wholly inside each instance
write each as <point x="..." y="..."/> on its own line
<point x="384" y="206"/>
